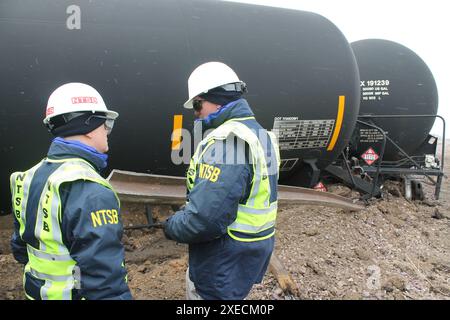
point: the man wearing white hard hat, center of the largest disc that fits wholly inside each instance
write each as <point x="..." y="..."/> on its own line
<point x="229" y="218"/>
<point x="68" y="227"/>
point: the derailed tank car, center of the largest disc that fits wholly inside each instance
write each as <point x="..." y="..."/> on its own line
<point x="302" y="76"/>
<point x="399" y="103"/>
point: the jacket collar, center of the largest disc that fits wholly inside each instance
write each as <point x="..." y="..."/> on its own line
<point x="65" y="149"/>
<point x="232" y="110"/>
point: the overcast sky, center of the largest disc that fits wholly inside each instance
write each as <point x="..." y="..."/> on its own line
<point x="422" y="26"/>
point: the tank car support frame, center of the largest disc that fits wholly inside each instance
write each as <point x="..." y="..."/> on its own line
<point x="383" y="147"/>
<point x="401" y="171"/>
<point x="370" y="190"/>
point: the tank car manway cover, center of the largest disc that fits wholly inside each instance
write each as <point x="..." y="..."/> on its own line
<point x="370" y="156"/>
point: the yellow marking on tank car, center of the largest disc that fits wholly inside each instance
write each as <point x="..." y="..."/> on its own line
<point x="176" y="133"/>
<point x="338" y="123"/>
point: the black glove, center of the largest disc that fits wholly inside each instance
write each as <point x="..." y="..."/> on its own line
<point x="164" y="229"/>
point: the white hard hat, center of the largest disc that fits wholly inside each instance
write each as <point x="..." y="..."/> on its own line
<point x="211" y="75"/>
<point x="76" y="97"/>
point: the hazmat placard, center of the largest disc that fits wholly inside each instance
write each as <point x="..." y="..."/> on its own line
<point x="370" y="156"/>
<point x="320" y="187"/>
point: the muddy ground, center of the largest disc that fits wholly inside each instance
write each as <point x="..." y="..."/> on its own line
<point x="394" y="249"/>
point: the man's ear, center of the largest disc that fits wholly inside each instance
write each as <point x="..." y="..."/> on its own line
<point x="89" y="134"/>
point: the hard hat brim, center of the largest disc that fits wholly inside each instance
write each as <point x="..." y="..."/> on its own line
<point x="109" y="113"/>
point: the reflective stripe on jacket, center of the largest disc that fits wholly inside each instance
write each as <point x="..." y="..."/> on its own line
<point x="258" y="214"/>
<point x="51" y="263"/>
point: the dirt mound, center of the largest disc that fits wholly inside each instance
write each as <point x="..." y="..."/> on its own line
<point x="11" y="278"/>
<point x="156" y="266"/>
<point x="392" y="250"/>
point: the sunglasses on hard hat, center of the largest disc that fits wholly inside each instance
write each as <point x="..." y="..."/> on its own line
<point x="197" y="105"/>
<point x="109" y="123"/>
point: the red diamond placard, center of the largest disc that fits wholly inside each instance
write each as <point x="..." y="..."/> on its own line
<point x="320" y="187"/>
<point x="370" y="156"/>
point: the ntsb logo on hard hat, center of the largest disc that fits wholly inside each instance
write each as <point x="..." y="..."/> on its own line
<point x="77" y="100"/>
<point x="49" y="111"/>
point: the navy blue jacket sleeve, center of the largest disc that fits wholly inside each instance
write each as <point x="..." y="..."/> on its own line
<point x="92" y="229"/>
<point x="18" y="246"/>
<point x="213" y="204"/>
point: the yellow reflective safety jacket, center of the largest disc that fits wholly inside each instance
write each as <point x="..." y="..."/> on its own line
<point x="61" y="258"/>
